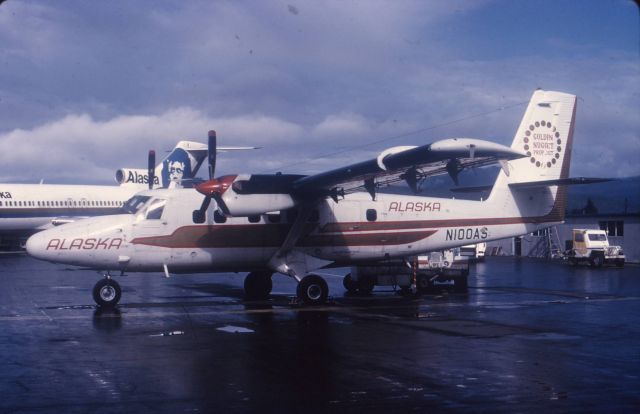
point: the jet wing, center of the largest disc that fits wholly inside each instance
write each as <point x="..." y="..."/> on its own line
<point x="411" y="164"/>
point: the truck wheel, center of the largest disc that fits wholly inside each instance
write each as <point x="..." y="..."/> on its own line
<point x="573" y="261"/>
<point x="349" y="284"/>
<point x="597" y="261"/>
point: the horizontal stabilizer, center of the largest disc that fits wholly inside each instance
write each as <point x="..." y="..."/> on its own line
<point x="533" y="184"/>
<point x="560" y="181"/>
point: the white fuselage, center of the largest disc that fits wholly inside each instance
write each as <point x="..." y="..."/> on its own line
<point x="356" y="229"/>
<point x="33" y="207"/>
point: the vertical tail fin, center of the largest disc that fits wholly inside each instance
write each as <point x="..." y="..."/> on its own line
<point x="546" y="135"/>
<point x="181" y="164"/>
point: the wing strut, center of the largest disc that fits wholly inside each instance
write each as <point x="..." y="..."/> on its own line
<point x="292" y="262"/>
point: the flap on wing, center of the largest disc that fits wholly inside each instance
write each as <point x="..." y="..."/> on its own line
<point x="477" y="189"/>
<point x="399" y="163"/>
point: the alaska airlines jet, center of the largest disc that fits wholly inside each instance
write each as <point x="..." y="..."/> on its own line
<point x="28" y="208"/>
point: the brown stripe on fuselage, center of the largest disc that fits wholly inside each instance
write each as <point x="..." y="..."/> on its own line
<point x="271" y="235"/>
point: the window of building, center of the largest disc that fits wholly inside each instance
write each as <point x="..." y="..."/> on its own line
<point x="612" y="227"/>
<point x="372" y="214"/>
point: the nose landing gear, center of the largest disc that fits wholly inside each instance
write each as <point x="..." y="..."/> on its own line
<point x="107" y="292"/>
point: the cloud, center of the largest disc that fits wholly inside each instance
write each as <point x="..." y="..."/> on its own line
<point x="80" y="148"/>
<point x="99" y="85"/>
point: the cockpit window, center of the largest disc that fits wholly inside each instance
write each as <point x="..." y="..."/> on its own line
<point x="134" y="204"/>
<point x="155" y="209"/>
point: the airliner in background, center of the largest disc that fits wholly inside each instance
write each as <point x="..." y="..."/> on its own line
<point x="28" y="208"/>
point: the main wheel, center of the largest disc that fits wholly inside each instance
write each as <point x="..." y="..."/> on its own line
<point x="423" y="283"/>
<point x="107" y="293"/>
<point x="258" y="285"/>
<point x="366" y="285"/>
<point x="313" y="290"/>
<point x="349" y="284"/>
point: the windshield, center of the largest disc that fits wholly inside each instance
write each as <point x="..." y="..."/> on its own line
<point x="134" y="204"/>
<point x="155" y="209"/>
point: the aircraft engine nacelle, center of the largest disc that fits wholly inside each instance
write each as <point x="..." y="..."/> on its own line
<point x="135" y="176"/>
<point x="243" y="205"/>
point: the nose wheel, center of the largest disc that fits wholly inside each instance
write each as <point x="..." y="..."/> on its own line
<point x="107" y="293"/>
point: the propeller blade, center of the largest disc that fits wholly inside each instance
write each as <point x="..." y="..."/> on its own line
<point x="152" y="168"/>
<point x="200" y="214"/>
<point x="212" y="150"/>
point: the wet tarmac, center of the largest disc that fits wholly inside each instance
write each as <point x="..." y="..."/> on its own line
<point x="529" y="336"/>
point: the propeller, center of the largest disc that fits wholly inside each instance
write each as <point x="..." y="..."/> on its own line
<point x="152" y="168"/>
<point x="212" y="150"/>
<point x="453" y="167"/>
<point x="214" y="187"/>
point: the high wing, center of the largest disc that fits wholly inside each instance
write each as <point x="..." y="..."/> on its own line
<point x="411" y="164"/>
<point x="247" y="195"/>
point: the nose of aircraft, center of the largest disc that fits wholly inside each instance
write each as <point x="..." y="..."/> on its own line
<point x="36" y="246"/>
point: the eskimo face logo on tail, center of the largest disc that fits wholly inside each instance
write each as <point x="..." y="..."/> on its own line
<point x="176" y="167"/>
<point x="543" y="144"/>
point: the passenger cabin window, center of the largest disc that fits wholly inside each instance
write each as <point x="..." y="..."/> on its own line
<point x="372" y="214"/>
<point x="580" y="237"/>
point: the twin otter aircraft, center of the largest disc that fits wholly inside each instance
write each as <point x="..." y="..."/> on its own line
<point x="296" y="224"/>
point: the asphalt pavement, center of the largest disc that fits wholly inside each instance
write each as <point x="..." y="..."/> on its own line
<point x="528" y="336"/>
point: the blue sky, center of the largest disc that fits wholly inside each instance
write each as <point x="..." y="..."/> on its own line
<point x="89" y="87"/>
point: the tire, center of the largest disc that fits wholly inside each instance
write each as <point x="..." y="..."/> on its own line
<point x="620" y="263"/>
<point x="366" y="285"/>
<point x="107" y="293"/>
<point x="597" y="260"/>
<point x="313" y="290"/>
<point x="258" y="285"/>
<point x="349" y="284"/>
<point x="423" y="284"/>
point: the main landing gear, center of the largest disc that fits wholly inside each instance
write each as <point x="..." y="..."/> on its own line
<point x="258" y="285"/>
<point x="312" y="289"/>
<point x="107" y="292"/>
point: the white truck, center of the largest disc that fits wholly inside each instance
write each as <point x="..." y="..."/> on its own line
<point x="475" y="252"/>
<point x="592" y="246"/>
<point x="420" y="274"/>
